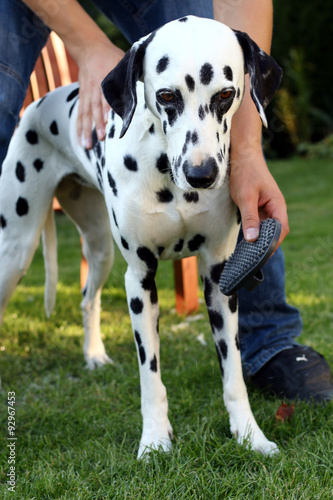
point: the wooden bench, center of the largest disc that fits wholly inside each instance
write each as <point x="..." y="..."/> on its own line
<point x="56" y="67"/>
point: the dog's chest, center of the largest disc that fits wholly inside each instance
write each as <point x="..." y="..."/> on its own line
<point x="147" y="208"/>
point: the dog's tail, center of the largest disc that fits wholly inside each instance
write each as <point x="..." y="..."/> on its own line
<point x="49" y="238"/>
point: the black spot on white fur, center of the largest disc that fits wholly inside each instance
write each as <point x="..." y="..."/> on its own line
<point x="223" y="348"/>
<point x="115" y="218"/>
<point x="111" y="132"/>
<point x="22" y="207"/>
<point x="195" y="138"/>
<point x="38" y="164"/>
<point x="72" y="107"/>
<point x="206" y="74"/>
<point x="201" y="113"/>
<point x="147" y="256"/>
<point x="141" y="349"/>
<point x="228" y="73"/>
<point x="237" y="341"/>
<point x="163" y="164"/>
<point x="112" y="184"/>
<point x="3" y="222"/>
<point x="73" y="94"/>
<point x="136" y="305"/>
<point x="164" y="196"/>
<point x="54" y="128"/>
<point x="148" y="283"/>
<point x="179" y="245"/>
<point x="216" y="320"/>
<point x="162" y="64"/>
<point x="153" y="364"/>
<point x="191" y="197"/>
<point x="96" y="144"/>
<point x="233" y="302"/>
<point x="130" y="163"/>
<point x="41" y="101"/>
<point x="216" y="271"/>
<point x="190" y="83"/>
<point x="220" y="359"/>
<point x="208" y="292"/>
<point x="20" y="171"/>
<point x="195" y="243"/>
<point x="32" y="137"/>
<point x="124" y="243"/>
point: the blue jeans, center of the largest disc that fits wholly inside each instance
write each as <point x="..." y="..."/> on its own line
<point x="22" y="37"/>
<point x="267" y="323"/>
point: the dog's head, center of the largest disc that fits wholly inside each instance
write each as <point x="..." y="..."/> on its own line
<point x="193" y="72"/>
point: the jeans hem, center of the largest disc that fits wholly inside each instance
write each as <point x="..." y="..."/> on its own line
<point x="251" y="369"/>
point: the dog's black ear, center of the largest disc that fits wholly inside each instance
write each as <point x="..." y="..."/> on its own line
<point x="119" y="86"/>
<point x="265" y="74"/>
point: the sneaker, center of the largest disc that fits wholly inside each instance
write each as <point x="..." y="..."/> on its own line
<point x="297" y="373"/>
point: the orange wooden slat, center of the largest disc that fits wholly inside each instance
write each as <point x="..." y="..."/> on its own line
<point x="61" y="57"/>
<point x="48" y="69"/>
<point x="186" y="285"/>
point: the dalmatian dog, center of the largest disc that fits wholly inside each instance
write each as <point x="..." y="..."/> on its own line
<point x="159" y="182"/>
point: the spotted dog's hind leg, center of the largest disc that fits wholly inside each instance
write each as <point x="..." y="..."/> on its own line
<point x="26" y="198"/>
<point x="223" y="315"/>
<point x="86" y="207"/>
<point x="144" y="312"/>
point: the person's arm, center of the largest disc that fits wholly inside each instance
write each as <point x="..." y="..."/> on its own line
<point x="252" y="186"/>
<point x="93" y="52"/>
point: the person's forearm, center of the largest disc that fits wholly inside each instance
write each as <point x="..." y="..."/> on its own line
<point x="255" y="17"/>
<point x="70" y="21"/>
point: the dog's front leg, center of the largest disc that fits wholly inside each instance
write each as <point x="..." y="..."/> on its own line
<point x="223" y="315"/>
<point x="144" y="312"/>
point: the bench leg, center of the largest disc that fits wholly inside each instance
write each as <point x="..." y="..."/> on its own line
<point x="186" y="285"/>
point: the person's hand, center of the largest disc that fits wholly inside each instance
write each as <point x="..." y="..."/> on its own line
<point x="256" y="193"/>
<point x="94" y="54"/>
<point x="94" y="64"/>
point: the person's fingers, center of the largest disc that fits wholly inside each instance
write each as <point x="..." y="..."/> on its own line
<point x="248" y="207"/>
<point x="98" y="113"/>
<point x="93" y="108"/>
<point x="258" y="197"/>
<point x="276" y="208"/>
<point x="106" y="109"/>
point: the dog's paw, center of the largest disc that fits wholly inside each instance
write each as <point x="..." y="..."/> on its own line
<point x="253" y="438"/>
<point x="266" y="447"/>
<point x="155" y="441"/>
<point x="97" y="360"/>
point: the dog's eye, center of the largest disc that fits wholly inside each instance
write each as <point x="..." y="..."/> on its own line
<point x="166" y="97"/>
<point x="225" y="94"/>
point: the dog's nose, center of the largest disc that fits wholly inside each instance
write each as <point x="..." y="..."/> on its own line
<point x="201" y="176"/>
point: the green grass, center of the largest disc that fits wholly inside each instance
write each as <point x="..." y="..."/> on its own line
<point x="78" y="431"/>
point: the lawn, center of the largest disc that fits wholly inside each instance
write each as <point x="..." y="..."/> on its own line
<point x="78" y="431"/>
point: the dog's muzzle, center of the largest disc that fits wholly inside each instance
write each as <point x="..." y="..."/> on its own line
<point x="201" y="176"/>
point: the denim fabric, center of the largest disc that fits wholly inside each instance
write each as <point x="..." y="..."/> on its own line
<point x="137" y="18"/>
<point x="267" y="323"/>
<point x="22" y="37"/>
